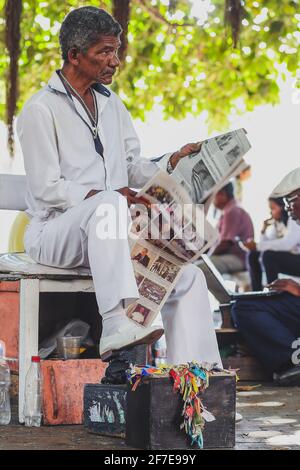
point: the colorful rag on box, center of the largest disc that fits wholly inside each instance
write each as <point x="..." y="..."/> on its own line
<point x="189" y="380"/>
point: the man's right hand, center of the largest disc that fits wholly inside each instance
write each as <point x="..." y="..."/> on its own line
<point x="131" y="197"/>
<point x="126" y="192"/>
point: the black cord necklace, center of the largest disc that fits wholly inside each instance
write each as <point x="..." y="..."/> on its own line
<point x="93" y="119"/>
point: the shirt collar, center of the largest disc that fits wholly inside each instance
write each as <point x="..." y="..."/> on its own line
<point x="55" y="83"/>
<point x="102" y="93"/>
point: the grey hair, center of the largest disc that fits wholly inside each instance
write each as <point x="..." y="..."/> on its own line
<point x="82" y="28"/>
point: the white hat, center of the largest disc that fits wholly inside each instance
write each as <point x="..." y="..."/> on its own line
<point x="288" y="185"/>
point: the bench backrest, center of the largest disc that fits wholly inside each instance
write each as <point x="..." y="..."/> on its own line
<point x="12" y="192"/>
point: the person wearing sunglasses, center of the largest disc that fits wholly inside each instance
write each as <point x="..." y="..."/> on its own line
<point x="271" y="326"/>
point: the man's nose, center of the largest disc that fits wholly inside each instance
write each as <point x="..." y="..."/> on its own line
<point x="114" y="61"/>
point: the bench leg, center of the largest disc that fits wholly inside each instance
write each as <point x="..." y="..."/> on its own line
<point x="29" y="333"/>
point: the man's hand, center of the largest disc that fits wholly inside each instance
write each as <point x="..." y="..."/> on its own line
<point x="286" y="285"/>
<point x="131" y="197"/>
<point x="126" y="192"/>
<point x="250" y="245"/>
<point x="184" y="152"/>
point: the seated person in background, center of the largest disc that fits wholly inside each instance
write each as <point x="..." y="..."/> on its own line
<point x="278" y="248"/>
<point x="271" y="325"/>
<point x="235" y="223"/>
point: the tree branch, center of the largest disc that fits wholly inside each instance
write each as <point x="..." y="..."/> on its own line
<point x="156" y="15"/>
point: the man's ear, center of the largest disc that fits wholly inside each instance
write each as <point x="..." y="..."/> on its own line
<point x="73" y="55"/>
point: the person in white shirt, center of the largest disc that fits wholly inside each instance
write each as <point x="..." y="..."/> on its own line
<point x="271" y="325"/>
<point x="278" y="250"/>
<point x="81" y="155"/>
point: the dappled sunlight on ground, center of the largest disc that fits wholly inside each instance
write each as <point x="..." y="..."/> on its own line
<point x="263" y="434"/>
<point x="275" y="421"/>
<point x="285" y="439"/>
<point x="262" y="403"/>
<point x="254" y="393"/>
<point x="269" y="424"/>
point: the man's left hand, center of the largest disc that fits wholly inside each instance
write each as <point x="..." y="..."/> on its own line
<point x="286" y="285"/>
<point x="186" y="150"/>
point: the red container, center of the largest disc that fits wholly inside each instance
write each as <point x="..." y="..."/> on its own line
<point x="63" y="385"/>
<point x="9" y="319"/>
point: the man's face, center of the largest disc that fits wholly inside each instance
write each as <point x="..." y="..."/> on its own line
<point x="293" y="204"/>
<point x="100" y="62"/>
<point x="220" y="200"/>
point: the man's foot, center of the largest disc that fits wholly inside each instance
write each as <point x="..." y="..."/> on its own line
<point x="288" y="378"/>
<point x="127" y="335"/>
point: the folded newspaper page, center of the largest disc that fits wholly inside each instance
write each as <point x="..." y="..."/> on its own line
<point x="203" y="173"/>
<point x="171" y="229"/>
<point x="165" y="235"/>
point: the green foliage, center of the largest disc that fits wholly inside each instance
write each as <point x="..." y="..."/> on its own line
<point x="184" y="68"/>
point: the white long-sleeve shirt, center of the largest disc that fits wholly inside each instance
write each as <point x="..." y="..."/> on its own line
<point x="60" y="159"/>
<point x="290" y="241"/>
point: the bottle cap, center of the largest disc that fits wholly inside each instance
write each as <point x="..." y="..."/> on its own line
<point x="35" y="359"/>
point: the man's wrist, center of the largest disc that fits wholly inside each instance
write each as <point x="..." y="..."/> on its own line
<point x="174" y="159"/>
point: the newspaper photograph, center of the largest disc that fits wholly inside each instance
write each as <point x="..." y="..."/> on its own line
<point x="156" y="272"/>
<point x="167" y="232"/>
<point x="200" y="173"/>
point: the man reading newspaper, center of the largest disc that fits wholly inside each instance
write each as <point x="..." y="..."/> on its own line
<point x="81" y="157"/>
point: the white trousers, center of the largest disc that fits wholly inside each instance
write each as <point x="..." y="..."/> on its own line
<point x="70" y="240"/>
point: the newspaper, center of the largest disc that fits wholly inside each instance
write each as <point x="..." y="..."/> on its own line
<point x="171" y="229"/>
<point x="170" y="232"/>
<point x="202" y="173"/>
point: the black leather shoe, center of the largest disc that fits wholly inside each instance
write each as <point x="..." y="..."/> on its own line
<point x="288" y="378"/>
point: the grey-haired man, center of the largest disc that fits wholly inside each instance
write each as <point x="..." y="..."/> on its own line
<point x="81" y="153"/>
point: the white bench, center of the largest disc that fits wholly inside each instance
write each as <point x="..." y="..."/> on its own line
<point x="34" y="279"/>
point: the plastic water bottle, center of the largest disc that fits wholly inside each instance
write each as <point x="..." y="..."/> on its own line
<point x="33" y="394"/>
<point x="5" y="411"/>
<point x="160" y="351"/>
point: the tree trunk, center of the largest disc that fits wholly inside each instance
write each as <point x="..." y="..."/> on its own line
<point x="121" y="12"/>
<point x="234" y="12"/>
<point x="13" y="11"/>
